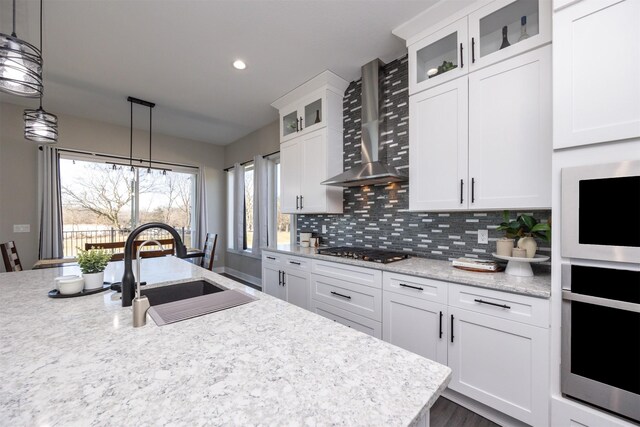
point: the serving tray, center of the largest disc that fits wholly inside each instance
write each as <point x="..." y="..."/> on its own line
<point x="54" y="293"/>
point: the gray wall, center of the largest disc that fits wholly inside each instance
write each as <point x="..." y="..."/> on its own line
<point x="263" y="141"/>
<point x="18" y="170"/>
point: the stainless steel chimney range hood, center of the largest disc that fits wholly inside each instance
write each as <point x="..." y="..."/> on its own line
<point x="372" y="171"/>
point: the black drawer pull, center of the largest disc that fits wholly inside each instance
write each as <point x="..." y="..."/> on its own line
<point x="440" y="324"/>
<point x="461" y="191"/>
<point x="473" y="50"/>
<point x="340" y="295"/>
<point x="479" y="301"/>
<point x="279" y="277"/>
<point x="270" y="257"/>
<point x="452" y="328"/>
<point x="283" y="282"/>
<point x="294" y="262"/>
<point x="412" y="287"/>
<point x="461" y="59"/>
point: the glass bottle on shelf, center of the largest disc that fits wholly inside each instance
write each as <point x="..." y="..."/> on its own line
<point x="317" y="117"/>
<point x="505" y="40"/>
<point x="523" y="29"/>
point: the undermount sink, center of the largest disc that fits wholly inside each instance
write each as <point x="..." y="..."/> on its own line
<point x="182" y="301"/>
<point x="180" y="291"/>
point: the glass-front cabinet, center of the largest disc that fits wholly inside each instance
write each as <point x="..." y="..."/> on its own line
<point x="303" y="117"/>
<point x="505" y="28"/>
<point x="439" y="57"/>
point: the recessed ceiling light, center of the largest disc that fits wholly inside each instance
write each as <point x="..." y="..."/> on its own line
<point x="239" y="65"/>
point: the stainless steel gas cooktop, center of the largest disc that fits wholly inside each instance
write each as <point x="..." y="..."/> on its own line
<point x="364" y="254"/>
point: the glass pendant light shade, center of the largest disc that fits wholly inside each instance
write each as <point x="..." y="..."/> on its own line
<point x="20" y="64"/>
<point x="40" y="126"/>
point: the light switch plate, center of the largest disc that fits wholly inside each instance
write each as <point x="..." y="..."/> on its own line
<point x="483" y="236"/>
<point x="21" y="228"/>
<point x="324" y="229"/>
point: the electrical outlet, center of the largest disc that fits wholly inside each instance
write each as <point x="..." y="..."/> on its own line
<point x="216" y="258"/>
<point x="324" y="229"/>
<point x="21" y="228"/>
<point x="483" y="236"/>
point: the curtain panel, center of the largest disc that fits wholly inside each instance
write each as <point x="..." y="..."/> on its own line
<point x="50" y="204"/>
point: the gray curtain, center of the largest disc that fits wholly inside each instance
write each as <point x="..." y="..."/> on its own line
<point x="50" y="203"/>
<point x="263" y="204"/>
<point x="200" y="220"/>
<point x="238" y="207"/>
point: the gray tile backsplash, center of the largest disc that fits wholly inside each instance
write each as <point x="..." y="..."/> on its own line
<point x="376" y="216"/>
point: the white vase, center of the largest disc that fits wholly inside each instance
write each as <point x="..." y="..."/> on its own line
<point x="504" y="246"/>
<point x="529" y="244"/>
<point x="93" y="280"/>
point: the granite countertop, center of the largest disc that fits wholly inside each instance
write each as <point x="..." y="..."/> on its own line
<point x="79" y="361"/>
<point x="537" y="286"/>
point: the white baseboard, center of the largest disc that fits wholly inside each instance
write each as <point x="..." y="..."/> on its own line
<point x="482" y="410"/>
<point x="240" y="275"/>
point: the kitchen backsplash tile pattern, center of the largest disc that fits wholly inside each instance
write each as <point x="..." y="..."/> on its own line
<point x="377" y="216"/>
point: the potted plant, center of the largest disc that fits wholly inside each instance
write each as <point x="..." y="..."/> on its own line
<point x="92" y="264"/>
<point x="526" y="228"/>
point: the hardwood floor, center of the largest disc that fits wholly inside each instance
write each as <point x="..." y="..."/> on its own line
<point x="445" y="413"/>
<point x="244" y="282"/>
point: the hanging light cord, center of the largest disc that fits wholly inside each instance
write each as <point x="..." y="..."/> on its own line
<point x="150" y="131"/>
<point x="41" y="46"/>
<point x="131" y="136"/>
<point x="13" y="31"/>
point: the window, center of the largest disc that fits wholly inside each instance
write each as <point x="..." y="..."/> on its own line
<point x="103" y="202"/>
<point x="282" y="221"/>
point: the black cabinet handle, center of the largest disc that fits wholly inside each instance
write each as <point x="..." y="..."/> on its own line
<point x="409" y="286"/>
<point x="340" y="295"/>
<point x="300" y="202"/>
<point x="297" y="125"/>
<point x="461" y="190"/>
<point x="479" y="301"/>
<point x="301" y="123"/>
<point x="461" y="60"/>
<point x="297" y="198"/>
<point x="440" y="324"/>
<point x="294" y="262"/>
<point x="452" y="328"/>
<point x="283" y="281"/>
<point x="279" y="277"/>
<point x="473" y="190"/>
<point x="473" y="50"/>
<point x="270" y="257"/>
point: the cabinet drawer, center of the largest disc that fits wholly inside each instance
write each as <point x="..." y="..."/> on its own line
<point x="348" y="319"/>
<point x="272" y="257"/>
<point x="360" y="275"/>
<point x="359" y="299"/>
<point x="533" y="311"/>
<point x="297" y="263"/>
<point x="417" y="287"/>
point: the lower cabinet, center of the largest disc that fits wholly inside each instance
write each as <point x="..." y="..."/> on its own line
<point x="286" y="278"/>
<point x="346" y="318"/>
<point x="496" y="343"/>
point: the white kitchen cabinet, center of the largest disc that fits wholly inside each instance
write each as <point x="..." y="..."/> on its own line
<point x="438" y="142"/>
<point x="286" y="278"/>
<point x="596" y="72"/>
<point x="305" y="162"/>
<point x="305" y="116"/>
<point x="347" y="318"/>
<point x="486" y="30"/>
<point x="510" y="133"/>
<point x="416" y="325"/>
<point x="500" y="363"/>
<point x="297" y="287"/>
<point x="272" y="281"/>
<point x="445" y="45"/>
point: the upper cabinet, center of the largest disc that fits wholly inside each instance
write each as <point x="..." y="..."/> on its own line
<point x="311" y="106"/>
<point x="496" y="31"/>
<point x="439" y="57"/>
<point x="505" y="28"/>
<point x="596" y="72"/>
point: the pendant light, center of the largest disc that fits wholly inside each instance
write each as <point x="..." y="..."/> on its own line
<point x="40" y="126"/>
<point x="20" y="65"/>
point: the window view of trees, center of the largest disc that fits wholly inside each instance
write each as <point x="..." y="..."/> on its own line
<point x="102" y="203"/>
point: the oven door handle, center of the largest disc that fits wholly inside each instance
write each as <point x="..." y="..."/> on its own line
<point x="605" y="302"/>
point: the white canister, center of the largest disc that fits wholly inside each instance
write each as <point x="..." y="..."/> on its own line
<point x="304" y="239"/>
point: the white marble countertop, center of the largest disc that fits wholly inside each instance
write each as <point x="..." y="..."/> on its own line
<point x="537" y="286"/>
<point x="79" y="361"/>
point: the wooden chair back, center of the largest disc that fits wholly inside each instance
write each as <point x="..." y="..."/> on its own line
<point x="209" y="251"/>
<point x="10" y="256"/>
<point x="148" y="251"/>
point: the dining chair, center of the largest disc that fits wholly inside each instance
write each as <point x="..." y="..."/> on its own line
<point x="10" y="256"/>
<point x="209" y="251"/>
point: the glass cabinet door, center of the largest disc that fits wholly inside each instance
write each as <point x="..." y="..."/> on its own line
<point x="439" y="57"/>
<point x="313" y="116"/>
<point x="505" y="28"/>
<point x="290" y="124"/>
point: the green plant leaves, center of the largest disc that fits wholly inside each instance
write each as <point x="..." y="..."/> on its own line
<point x="93" y="260"/>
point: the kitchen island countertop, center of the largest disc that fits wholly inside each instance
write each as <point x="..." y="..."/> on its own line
<point x="538" y="286"/>
<point x="80" y="361"/>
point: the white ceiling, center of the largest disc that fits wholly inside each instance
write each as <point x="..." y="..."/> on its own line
<point x="178" y="54"/>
